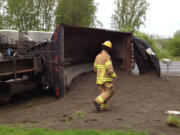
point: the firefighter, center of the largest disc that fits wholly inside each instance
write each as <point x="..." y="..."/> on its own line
<point x="105" y="77"/>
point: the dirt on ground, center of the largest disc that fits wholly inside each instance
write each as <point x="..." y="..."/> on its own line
<point x="139" y="104"/>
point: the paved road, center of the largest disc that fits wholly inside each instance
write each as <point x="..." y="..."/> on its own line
<point x="174" y="68"/>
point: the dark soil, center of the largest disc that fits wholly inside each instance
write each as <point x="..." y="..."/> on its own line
<point x="139" y="104"/>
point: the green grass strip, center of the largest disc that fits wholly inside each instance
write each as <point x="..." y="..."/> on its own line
<point x="8" y="130"/>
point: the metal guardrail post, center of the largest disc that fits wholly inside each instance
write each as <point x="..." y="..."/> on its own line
<point x="167" y="62"/>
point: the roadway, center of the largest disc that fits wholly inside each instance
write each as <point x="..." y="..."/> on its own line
<point x="174" y="69"/>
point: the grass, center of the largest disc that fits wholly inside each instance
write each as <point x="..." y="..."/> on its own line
<point x="31" y="105"/>
<point x="177" y="58"/>
<point x="173" y="121"/>
<point x="6" y="130"/>
<point x="77" y="115"/>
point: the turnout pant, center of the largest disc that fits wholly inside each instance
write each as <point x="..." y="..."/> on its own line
<point x="107" y="90"/>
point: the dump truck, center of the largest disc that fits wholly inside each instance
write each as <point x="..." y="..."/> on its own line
<point x="19" y="70"/>
<point x="54" y="64"/>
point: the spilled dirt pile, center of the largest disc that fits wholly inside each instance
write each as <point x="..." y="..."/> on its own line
<point x="139" y="103"/>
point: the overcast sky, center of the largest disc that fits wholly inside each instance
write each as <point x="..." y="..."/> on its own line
<point x="163" y="16"/>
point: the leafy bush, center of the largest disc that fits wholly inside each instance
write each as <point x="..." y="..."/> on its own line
<point x="174" y="45"/>
<point x="145" y="37"/>
<point x="161" y="53"/>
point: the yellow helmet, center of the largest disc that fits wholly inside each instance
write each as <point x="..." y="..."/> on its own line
<point x="108" y="44"/>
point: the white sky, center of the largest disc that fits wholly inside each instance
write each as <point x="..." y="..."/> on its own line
<point x="163" y="16"/>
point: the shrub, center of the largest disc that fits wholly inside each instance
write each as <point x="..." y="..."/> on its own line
<point x="174" y="45"/>
<point x="149" y="39"/>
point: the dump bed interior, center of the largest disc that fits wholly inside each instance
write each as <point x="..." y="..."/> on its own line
<point x="81" y="45"/>
<point x="72" y="51"/>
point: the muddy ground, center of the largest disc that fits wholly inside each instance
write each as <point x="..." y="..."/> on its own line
<point x="138" y="104"/>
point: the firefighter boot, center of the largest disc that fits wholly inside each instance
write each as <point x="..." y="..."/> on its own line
<point x="97" y="106"/>
<point x="104" y="107"/>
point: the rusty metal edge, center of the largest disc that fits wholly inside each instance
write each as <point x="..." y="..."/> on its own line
<point x="99" y="29"/>
<point x="61" y="74"/>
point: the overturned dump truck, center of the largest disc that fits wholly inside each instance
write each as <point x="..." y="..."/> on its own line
<point x="19" y="75"/>
<point x="19" y="71"/>
<point x="53" y="65"/>
<point x="72" y="51"/>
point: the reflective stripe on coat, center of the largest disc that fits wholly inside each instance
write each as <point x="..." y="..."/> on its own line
<point x="103" y="67"/>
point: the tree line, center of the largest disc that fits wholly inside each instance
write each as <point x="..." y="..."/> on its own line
<point x="44" y="15"/>
<point x="27" y="14"/>
<point x="24" y="15"/>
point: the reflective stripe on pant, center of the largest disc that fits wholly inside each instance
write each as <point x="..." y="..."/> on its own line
<point x="104" y="107"/>
<point x="107" y="90"/>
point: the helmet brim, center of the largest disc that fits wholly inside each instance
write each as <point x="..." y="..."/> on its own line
<point x="106" y="46"/>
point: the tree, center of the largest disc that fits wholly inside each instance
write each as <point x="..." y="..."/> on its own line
<point x="26" y="15"/>
<point x="2" y="3"/>
<point x="47" y="13"/>
<point x="129" y="15"/>
<point x="23" y="15"/>
<point x="76" y="12"/>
